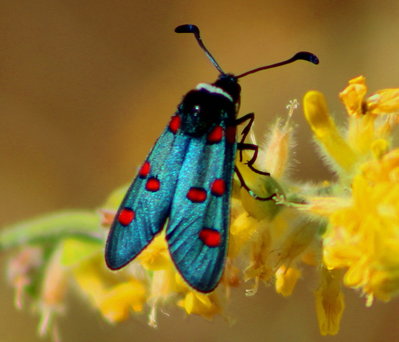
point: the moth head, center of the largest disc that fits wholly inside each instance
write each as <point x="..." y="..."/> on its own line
<point x="229" y="84"/>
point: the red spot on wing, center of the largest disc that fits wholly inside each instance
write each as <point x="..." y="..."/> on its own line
<point x="210" y="237"/>
<point x="126" y="215"/>
<point x="145" y="170"/>
<point x="196" y="195"/>
<point x="174" y="124"/>
<point x="218" y="187"/>
<point x="153" y="184"/>
<point x="231" y="134"/>
<point x="215" y="135"/>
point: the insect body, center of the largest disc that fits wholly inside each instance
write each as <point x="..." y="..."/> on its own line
<point x="186" y="181"/>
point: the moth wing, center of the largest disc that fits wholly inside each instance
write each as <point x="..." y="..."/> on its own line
<point x="147" y="203"/>
<point x="197" y="232"/>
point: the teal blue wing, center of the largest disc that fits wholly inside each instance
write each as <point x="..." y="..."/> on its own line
<point x="147" y="203"/>
<point x="197" y="232"/>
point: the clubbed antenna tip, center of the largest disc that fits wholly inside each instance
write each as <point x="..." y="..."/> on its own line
<point x="306" y="56"/>
<point x="196" y="32"/>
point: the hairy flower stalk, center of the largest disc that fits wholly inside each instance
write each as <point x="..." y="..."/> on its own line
<point x="346" y="229"/>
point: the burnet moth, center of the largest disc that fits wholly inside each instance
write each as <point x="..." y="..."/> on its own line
<point x="186" y="181"/>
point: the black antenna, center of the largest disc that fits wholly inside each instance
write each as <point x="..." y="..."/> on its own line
<point x="303" y="55"/>
<point x="195" y="30"/>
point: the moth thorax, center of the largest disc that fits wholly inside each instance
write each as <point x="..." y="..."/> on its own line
<point x="205" y="107"/>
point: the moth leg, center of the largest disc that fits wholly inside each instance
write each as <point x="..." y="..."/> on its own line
<point x="246" y="187"/>
<point x="250" y="118"/>
<point x="241" y="146"/>
<point x="244" y="146"/>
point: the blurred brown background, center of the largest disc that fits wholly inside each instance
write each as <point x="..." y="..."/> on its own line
<point x="87" y="86"/>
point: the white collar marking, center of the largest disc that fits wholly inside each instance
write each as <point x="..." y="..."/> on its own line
<point x="213" y="89"/>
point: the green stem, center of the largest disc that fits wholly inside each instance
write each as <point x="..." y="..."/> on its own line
<point x="52" y="228"/>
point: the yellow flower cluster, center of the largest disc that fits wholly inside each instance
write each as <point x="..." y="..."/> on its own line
<point x="363" y="236"/>
<point x="150" y="280"/>
<point x="362" y="210"/>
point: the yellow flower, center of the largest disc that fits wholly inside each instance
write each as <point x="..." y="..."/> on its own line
<point x="156" y="255"/>
<point x="329" y="302"/>
<point x="243" y="229"/>
<point x="363" y="237"/>
<point x="339" y="152"/>
<point x="260" y="266"/>
<point x="114" y="299"/>
<point x="117" y="303"/>
<point x="114" y="296"/>
<point x="382" y="102"/>
<point x="345" y="152"/>
<point x="362" y="207"/>
<point x="353" y="96"/>
<point x="200" y="304"/>
<point x="286" y="279"/>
